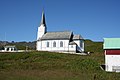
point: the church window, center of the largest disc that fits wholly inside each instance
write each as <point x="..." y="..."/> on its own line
<point x="47" y="44"/>
<point x="54" y="44"/>
<point x="81" y="43"/>
<point x="61" y="44"/>
<point x="71" y="46"/>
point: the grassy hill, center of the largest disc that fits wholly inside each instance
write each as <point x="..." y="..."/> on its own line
<point x="53" y="66"/>
<point x="93" y="46"/>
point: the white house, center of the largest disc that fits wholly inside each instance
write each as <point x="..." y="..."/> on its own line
<point x="112" y="54"/>
<point x="10" y="49"/>
<point x="62" y="41"/>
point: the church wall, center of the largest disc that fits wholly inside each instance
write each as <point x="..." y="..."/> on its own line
<point x="83" y="45"/>
<point x="38" y="45"/>
<point x="72" y="48"/>
<point x="57" y="48"/>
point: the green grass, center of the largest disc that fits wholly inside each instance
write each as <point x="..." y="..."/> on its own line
<point x="93" y="46"/>
<point x="53" y="66"/>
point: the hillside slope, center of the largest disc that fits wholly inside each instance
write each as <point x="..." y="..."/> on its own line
<point x="93" y="46"/>
<point x="53" y="66"/>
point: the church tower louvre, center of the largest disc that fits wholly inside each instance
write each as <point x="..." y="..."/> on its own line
<point x="42" y="28"/>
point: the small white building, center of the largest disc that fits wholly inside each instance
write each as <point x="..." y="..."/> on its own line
<point x="10" y="49"/>
<point x="112" y="54"/>
<point x="62" y="41"/>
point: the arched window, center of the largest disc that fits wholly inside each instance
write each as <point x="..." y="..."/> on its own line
<point x="81" y="43"/>
<point x="54" y="44"/>
<point x="61" y="44"/>
<point x="47" y="44"/>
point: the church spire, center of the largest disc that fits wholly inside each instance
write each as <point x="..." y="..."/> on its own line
<point x="43" y="19"/>
<point x="42" y="29"/>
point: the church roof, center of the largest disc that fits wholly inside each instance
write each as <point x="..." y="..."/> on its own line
<point x="64" y="35"/>
<point x="77" y="37"/>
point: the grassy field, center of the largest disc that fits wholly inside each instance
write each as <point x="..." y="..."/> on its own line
<point x="53" y="66"/>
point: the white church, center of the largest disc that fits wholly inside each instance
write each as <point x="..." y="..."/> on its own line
<point x="62" y="41"/>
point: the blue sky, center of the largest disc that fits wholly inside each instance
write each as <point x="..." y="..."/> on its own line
<point x="93" y="19"/>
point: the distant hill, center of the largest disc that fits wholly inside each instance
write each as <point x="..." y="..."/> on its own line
<point x="19" y="45"/>
<point x="2" y="43"/>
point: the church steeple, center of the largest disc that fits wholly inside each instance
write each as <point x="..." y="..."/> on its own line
<point x="43" y="19"/>
<point x="42" y="29"/>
